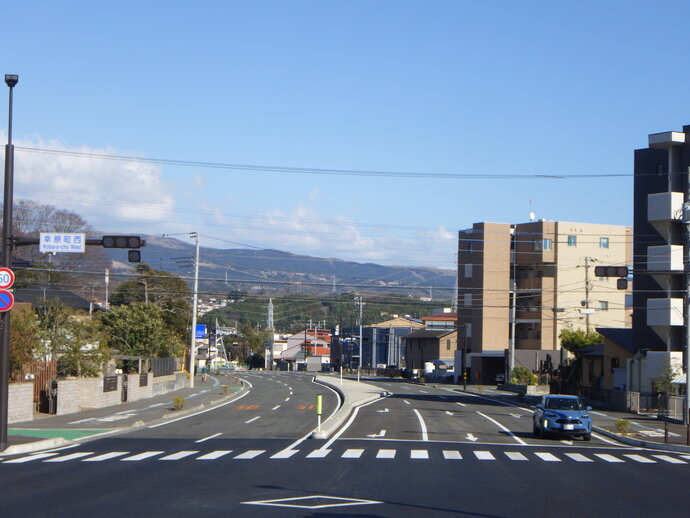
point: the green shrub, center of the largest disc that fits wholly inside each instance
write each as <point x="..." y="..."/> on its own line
<point x="622" y="425"/>
<point x="523" y="376"/>
<point x="225" y="390"/>
<point x="178" y="403"/>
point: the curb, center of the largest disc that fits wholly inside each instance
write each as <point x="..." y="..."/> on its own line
<point x="680" y="448"/>
<point x="343" y="413"/>
<point x="32" y="447"/>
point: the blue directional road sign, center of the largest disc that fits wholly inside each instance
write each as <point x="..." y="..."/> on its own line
<point x="200" y="331"/>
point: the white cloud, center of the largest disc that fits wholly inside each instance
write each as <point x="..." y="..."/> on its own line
<point x="99" y="189"/>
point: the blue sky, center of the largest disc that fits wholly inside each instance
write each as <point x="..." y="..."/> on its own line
<point x="457" y="87"/>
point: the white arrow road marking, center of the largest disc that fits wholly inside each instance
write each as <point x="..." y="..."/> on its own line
<point x="384" y="411"/>
<point x="382" y="433"/>
<point x="461" y="404"/>
<point x="471" y="437"/>
<point x="406" y="402"/>
<point x="569" y="443"/>
<point x="516" y="416"/>
<point x="449" y="413"/>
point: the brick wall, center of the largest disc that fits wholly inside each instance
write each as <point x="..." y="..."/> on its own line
<point x="20" y="402"/>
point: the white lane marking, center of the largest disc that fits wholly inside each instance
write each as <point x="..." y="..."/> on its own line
<point x="685" y="457"/>
<point x="318" y="454"/>
<point x="578" y="457"/>
<point x="346" y="425"/>
<point x="106" y="456"/>
<point x="598" y="413"/>
<point x="452" y="455"/>
<point x="461" y="404"/>
<point x="386" y="454"/>
<point x="425" y="434"/>
<point x="276" y="407"/>
<point x="249" y="454"/>
<point x="200" y="412"/>
<point x="406" y="402"/>
<point x="36" y="456"/>
<point x="520" y="441"/>
<point x="515" y="455"/>
<point x="442" y="397"/>
<point x="286" y="399"/>
<point x="179" y="455"/>
<point x="384" y="411"/>
<point x="141" y="456"/>
<point x="484" y="455"/>
<point x="449" y="413"/>
<point x="565" y="441"/>
<point x="639" y="458"/>
<point x="547" y="457"/>
<point x="672" y="460"/>
<point x="214" y="455"/>
<point x="419" y="454"/>
<point x="423" y="391"/>
<point x="253" y="419"/>
<point x="608" y="458"/>
<point x="353" y="453"/>
<point x="71" y="456"/>
<point x="285" y="454"/>
<point x="602" y="438"/>
<point x="210" y="437"/>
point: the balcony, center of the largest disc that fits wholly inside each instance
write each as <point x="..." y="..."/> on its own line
<point x="664" y="312"/>
<point x="665" y="258"/>
<point x="532" y="284"/>
<point x="664" y="206"/>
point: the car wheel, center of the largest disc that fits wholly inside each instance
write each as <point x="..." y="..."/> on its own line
<point x="587" y="436"/>
<point x="535" y="429"/>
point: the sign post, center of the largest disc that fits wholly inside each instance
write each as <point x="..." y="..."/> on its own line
<point x="319" y="409"/>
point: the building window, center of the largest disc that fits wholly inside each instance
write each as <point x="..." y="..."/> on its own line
<point x="469" y="247"/>
<point x="448" y="345"/>
<point x="603" y="242"/>
<point x="468" y="300"/>
<point x="547" y="244"/>
<point x="572" y="240"/>
<point x="537" y="245"/>
<point x="615" y="363"/>
<point x="603" y="305"/>
<point x="468" y="271"/>
<point x="468" y="330"/>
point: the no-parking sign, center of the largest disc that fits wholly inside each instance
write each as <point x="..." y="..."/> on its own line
<point x="6" y="300"/>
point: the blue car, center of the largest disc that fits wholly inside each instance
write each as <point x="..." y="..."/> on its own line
<point x="566" y="415"/>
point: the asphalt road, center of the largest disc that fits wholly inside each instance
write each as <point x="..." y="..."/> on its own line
<point x="420" y="452"/>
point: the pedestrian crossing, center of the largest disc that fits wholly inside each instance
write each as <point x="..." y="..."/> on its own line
<point x="383" y="454"/>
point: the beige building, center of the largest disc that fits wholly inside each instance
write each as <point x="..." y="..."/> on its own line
<point x="545" y="269"/>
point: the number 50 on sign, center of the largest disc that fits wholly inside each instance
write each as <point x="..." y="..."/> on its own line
<point x="6" y="278"/>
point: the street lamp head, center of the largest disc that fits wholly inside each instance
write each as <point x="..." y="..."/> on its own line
<point x="11" y="80"/>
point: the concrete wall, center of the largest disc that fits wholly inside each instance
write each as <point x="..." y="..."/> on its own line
<point x="165" y="384"/>
<point x="136" y="392"/>
<point x="20" y="402"/>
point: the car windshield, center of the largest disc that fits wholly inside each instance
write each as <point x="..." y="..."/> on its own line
<point x="558" y="403"/>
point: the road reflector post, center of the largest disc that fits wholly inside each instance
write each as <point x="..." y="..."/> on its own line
<point x="319" y="410"/>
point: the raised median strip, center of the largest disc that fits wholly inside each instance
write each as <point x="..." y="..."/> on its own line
<point x="353" y="394"/>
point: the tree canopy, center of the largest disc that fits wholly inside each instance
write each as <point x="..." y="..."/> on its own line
<point x="574" y="339"/>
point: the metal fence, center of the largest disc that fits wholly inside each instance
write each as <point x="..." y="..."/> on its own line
<point x="163" y="366"/>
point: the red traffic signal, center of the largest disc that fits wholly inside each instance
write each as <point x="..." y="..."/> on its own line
<point x="611" y="271"/>
<point x="122" y="242"/>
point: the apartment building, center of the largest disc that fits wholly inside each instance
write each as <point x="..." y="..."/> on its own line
<point x="660" y="187"/>
<point x="535" y="279"/>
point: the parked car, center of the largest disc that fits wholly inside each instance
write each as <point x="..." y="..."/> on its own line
<point x="559" y="414"/>
<point x="500" y="379"/>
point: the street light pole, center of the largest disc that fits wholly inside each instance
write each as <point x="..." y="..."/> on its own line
<point x="10" y="81"/>
<point x="195" y="295"/>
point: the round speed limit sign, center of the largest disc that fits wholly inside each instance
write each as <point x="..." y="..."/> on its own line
<point x="6" y="278"/>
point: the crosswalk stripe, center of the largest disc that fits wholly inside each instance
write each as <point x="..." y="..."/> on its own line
<point x="106" y="456"/>
<point x="249" y="454"/>
<point x="687" y="457"/>
<point x="608" y="458"/>
<point x="547" y="457"/>
<point x="179" y="455"/>
<point x="640" y="458"/>
<point x="318" y="454"/>
<point x="71" y="456"/>
<point x="285" y="454"/>
<point x="515" y="455"/>
<point x="419" y="454"/>
<point x="578" y="457"/>
<point x="672" y="460"/>
<point x="452" y="455"/>
<point x="142" y="456"/>
<point x="22" y="460"/>
<point x="352" y="453"/>
<point x="214" y="455"/>
<point x="386" y="454"/>
<point x="484" y="455"/>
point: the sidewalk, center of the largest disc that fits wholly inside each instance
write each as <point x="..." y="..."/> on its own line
<point x="52" y="431"/>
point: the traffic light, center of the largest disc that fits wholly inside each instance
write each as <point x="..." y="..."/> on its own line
<point x="611" y="271"/>
<point x="122" y="242"/>
<point x="134" y="256"/>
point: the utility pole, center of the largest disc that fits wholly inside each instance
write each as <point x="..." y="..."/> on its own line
<point x="686" y="222"/>
<point x="269" y="326"/>
<point x="513" y="313"/>
<point x="195" y="295"/>
<point x="358" y="301"/>
<point x="107" y="283"/>
<point x="587" y="293"/>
